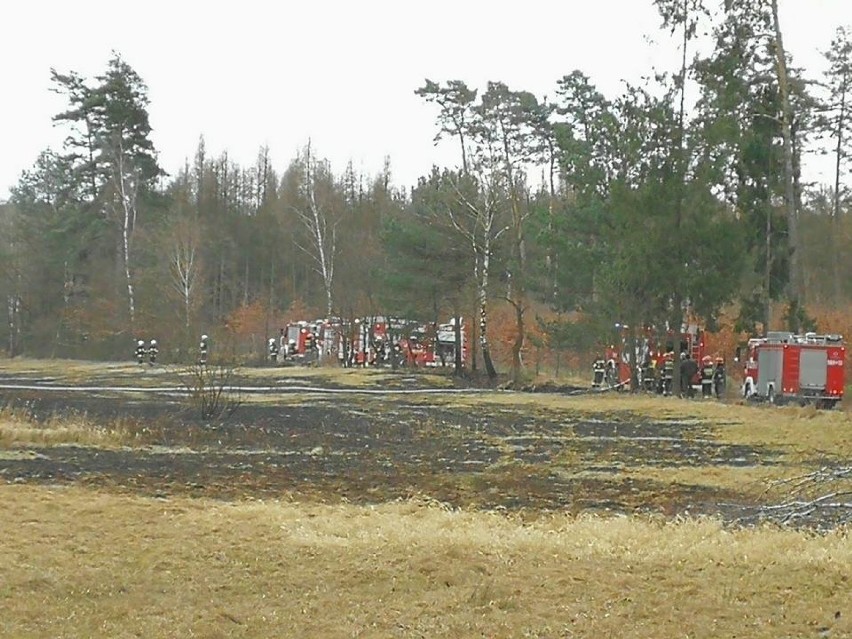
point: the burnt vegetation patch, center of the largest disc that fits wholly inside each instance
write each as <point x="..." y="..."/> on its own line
<point x="375" y="448"/>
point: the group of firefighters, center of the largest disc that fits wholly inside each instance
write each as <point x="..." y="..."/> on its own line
<point x="148" y="352"/>
<point x="657" y="375"/>
<point x="151" y="350"/>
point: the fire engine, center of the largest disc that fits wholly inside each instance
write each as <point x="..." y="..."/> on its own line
<point x="784" y="367"/>
<point x="445" y="344"/>
<point x="300" y="341"/>
<point x="653" y="348"/>
<point x="371" y="341"/>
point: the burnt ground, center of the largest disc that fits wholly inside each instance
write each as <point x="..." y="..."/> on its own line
<point x="368" y="448"/>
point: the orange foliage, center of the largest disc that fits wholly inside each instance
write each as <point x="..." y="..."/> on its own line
<point x="248" y="320"/>
<point x="502" y="328"/>
<point x="257" y="319"/>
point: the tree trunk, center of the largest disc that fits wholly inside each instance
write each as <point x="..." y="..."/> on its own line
<point x="518" y="343"/>
<point x="483" y="315"/>
<point x="458" y="370"/>
<point x="835" y="210"/>
<point x="795" y="288"/>
<point x="474" y="340"/>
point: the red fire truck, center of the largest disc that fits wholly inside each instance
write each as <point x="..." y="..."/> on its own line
<point x="300" y="341"/>
<point x="784" y="367"/>
<point x="653" y="347"/>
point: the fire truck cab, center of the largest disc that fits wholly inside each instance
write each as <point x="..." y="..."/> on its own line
<point x="784" y="367"/>
<point x="445" y="343"/>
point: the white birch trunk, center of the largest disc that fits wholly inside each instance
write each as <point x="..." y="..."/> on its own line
<point x="127" y="187"/>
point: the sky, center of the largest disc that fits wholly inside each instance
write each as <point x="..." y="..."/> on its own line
<point x="340" y="73"/>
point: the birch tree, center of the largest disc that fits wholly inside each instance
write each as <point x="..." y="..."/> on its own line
<point x="320" y="215"/>
<point x="184" y="260"/>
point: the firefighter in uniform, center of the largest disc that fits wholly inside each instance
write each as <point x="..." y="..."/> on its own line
<point x="649" y="369"/>
<point x="668" y="373"/>
<point x="707" y="371"/>
<point x="611" y="372"/>
<point x="598" y="370"/>
<point x="273" y="350"/>
<point x="309" y="346"/>
<point x="719" y="378"/>
<point x="140" y="351"/>
<point x="153" y="350"/>
<point x="203" y="349"/>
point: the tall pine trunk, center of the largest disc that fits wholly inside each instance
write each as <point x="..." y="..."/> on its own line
<point x="796" y="275"/>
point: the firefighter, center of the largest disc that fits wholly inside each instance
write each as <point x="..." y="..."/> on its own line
<point x="273" y="350"/>
<point x="203" y="349"/>
<point x="648" y="373"/>
<point x="598" y="370"/>
<point x="668" y="373"/>
<point x="140" y="351"/>
<point x="153" y="350"/>
<point x="719" y="378"/>
<point x="611" y="372"/>
<point x="707" y="371"/>
<point x="688" y="370"/>
<point x="282" y="345"/>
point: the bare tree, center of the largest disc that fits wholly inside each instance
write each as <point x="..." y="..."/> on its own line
<point x="185" y="266"/>
<point x="320" y="219"/>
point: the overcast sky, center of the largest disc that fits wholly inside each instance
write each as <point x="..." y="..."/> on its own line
<point x="340" y="72"/>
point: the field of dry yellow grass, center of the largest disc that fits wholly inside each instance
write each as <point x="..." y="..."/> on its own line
<point x="80" y="563"/>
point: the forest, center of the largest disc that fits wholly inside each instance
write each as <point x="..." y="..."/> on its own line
<point x="680" y="199"/>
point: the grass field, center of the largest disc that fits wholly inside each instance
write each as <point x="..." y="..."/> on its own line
<point x="88" y="559"/>
<point x="88" y="564"/>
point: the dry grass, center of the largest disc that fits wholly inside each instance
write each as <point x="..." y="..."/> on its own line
<point x="85" y="564"/>
<point x="68" y="370"/>
<point x="18" y="430"/>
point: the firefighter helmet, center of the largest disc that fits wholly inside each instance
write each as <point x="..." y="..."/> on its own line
<point x="153" y="342"/>
<point x="140" y="343"/>
<point x="707" y="359"/>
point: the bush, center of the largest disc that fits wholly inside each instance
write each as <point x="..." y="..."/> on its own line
<point x="211" y="391"/>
